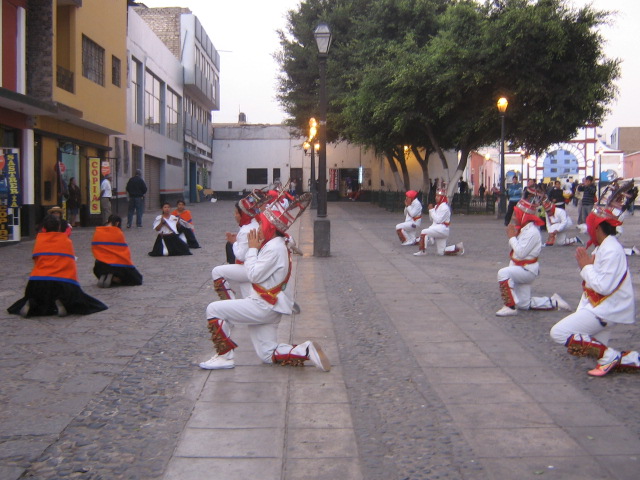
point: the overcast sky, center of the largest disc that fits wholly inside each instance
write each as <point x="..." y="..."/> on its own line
<point x="244" y="32"/>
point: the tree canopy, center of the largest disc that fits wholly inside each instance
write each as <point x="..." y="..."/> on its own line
<point x="428" y="73"/>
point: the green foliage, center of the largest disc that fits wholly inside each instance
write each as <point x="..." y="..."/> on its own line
<point x="428" y="73"/>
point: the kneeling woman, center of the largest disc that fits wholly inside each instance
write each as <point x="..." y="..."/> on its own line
<point x="53" y="287"/>
<point x="113" y="257"/>
<point x="168" y="242"/>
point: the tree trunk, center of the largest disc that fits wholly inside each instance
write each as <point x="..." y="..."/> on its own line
<point x="462" y="164"/>
<point x="424" y="164"/>
<point x="394" y="169"/>
<point x="436" y="147"/>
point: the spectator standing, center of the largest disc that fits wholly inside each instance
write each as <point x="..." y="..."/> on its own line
<point x="105" y="198"/>
<point x="514" y="194"/>
<point x="481" y="191"/>
<point x="73" y="203"/>
<point x="588" y="190"/>
<point x="556" y="195"/>
<point x="136" y="189"/>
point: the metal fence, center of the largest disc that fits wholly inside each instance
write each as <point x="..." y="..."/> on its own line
<point x="393" y="201"/>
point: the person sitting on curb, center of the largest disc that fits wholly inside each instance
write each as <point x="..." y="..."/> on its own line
<point x="525" y="242"/>
<point x="608" y="294"/>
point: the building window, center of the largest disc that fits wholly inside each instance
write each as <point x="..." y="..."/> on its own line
<point x="115" y="70"/>
<point x="257" y="176"/>
<point x="92" y="61"/>
<point x="276" y="175"/>
<point x="136" y="85"/>
<point x="153" y="102"/>
<point x="176" y="162"/>
<point x="553" y="170"/>
<point x="136" y="153"/>
<point x="173" y="115"/>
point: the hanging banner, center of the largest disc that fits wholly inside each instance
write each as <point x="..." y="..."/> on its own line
<point x="10" y="195"/>
<point x="333" y="179"/>
<point x="94" y="185"/>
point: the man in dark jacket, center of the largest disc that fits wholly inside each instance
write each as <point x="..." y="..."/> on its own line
<point x="588" y="190"/>
<point x="136" y="188"/>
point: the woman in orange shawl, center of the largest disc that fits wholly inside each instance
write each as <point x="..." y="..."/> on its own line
<point x="185" y="225"/>
<point x="53" y="287"/>
<point x="113" y="257"/>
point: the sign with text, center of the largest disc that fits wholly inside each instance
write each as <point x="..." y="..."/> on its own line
<point x="10" y="195"/>
<point x="94" y="185"/>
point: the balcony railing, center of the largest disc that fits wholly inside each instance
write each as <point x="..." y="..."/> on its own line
<point x="64" y="79"/>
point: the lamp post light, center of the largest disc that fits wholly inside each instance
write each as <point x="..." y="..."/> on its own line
<point x="313" y="130"/>
<point x="322" y="227"/>
<point x="503" y="103"/>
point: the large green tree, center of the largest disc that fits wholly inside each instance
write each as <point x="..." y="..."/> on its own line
<point x="427" y="73"/>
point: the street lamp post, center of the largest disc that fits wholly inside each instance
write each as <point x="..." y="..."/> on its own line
<point x="322" y="226"/>
<point x="313" y="130"/>
<point x="503" y="103"/>
<point x="599" y="172"/>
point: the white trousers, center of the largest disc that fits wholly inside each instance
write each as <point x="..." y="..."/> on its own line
<point x="262" y="323"/>
<point x="520" y="280"/>
<point x="409" y="229"/>
<point x="236" y="276"/>
<point x="439" y="234"/>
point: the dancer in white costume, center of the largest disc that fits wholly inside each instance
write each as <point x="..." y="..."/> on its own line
<point x="558" y="223"/>
<point x="525" y="242"/>
<point x="412" y="219"/>
<point x="608" y="297"/>
<point x="231" y="281"/>
<point x="268" y="265"/>
<point x="438" y="232"/>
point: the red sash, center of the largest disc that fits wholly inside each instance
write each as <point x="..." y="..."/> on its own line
<point x="596" y="298"/>
<point x="522" y="263"/>
<point x="271" y="295"/>
<point x="417" y="217"/>
<point x="54" y="258"/>
<point x="109" y="246"/>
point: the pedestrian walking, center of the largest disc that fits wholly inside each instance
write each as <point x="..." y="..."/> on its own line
<point x="268" y="265"/>
<point x="412" y="219"/>
<point x="608" y="294"/>
<point x="136" y="189"/>
<point x="525" y="243"/>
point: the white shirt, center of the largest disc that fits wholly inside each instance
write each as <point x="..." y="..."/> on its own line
<point x="412" y="211"/>
<point x="559" y="221"/>
<point x="241" y="245"/>
<point x="106" y="187"/>
<point x="527" y="245"/>
<point x="268" y="267"/>
<point x="169" y="227"/>
<point x="440" y="214"/>
<point x="604" y="277"/>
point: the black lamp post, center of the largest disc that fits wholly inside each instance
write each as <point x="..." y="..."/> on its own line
<point x="503" y="103"/>
<point x="322" y="227"/>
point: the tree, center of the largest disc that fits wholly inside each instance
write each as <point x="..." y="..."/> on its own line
<point x="427" y="73"/>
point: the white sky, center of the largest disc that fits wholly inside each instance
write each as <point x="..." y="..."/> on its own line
<point x="244" y="32"/>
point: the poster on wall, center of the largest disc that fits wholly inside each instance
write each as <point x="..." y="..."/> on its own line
<point x="10" y="195"/>
<point x="94" y="185"/>
<point x="333" y="179"/>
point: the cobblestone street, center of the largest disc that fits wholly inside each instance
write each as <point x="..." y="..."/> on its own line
<point x="427" y="382"/>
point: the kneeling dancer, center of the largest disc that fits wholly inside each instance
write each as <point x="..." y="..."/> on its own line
<point x="268" y="265"/>
<point x="526" y="244"/>
<point x="608" y="297"/>
<point x="557" y="224"/>
<point x="412" y="218"/>
<point x="438" y="232"/>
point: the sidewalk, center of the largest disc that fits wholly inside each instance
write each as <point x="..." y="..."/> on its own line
<point x="426" y="382"/>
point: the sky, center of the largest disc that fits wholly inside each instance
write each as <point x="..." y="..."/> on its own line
<point x="244" y="33"/>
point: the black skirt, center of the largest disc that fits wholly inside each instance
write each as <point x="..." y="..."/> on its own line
<point x="121" y="275"/>
<point x="175" y="246"/>
<point x="42" y="295"/>
<point x="190" y="236"/>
